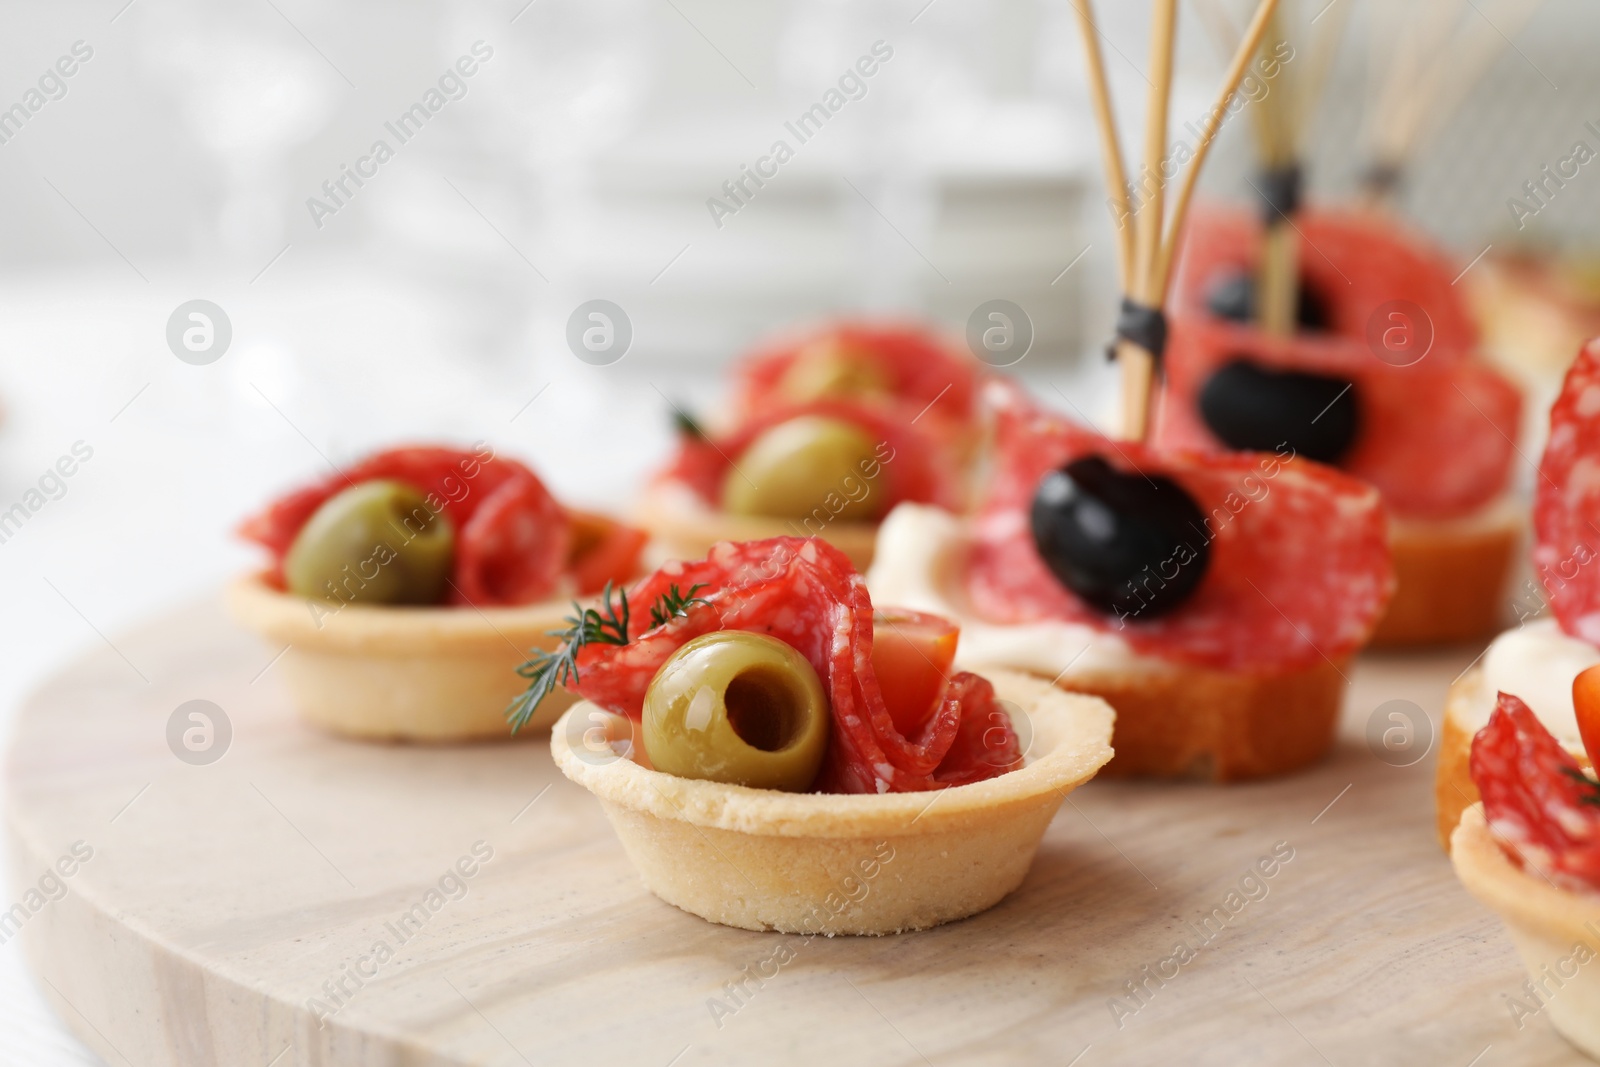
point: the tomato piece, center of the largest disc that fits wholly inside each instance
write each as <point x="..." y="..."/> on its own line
<point x="912" y="653"/>
<point x="1586" y="702"/>
<point x="603" y="550"/>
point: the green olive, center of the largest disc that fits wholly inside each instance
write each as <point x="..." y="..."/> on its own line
<point x="740" y="708"/>
<point x="375" y="543"/>
<point x="807" y="467"/>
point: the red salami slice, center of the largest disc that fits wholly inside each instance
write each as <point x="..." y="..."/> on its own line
<point x="1356" y="262"/>
<point x="919" y="372"/>
<point x="514" y="546"/>
<point x="1566" y="510"/>
<point x="1436" y="438"/>
<point x="1536" y="798"/>
<point x="1299" y="570"/>
<point x="805" y="593"/>
<point x="916" y="465"/>
<point x="508" y="527"/>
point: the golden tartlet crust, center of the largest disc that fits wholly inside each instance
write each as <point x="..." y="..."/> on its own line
<point x="798" y="862"/>
<point x="1555" y="931"/>
<point x="433" y="674"/>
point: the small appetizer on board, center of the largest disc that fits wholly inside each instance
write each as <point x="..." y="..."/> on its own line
<point x="1212" y="600"/>
<point x="1378" y="376"/>
<point x="776" y="754"/>
<point x="406" y="587"/>
<point x="1530" y="851"/>
<point x="1342" y="336"/>
<point x="1542" y="659"/>
<point x="823" y="435"/>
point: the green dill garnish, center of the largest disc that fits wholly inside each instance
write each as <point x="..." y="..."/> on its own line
<point x="686" y="424"/>
<point x="1591" y="795"/>
<point x="545" y="670"/>
<point x="673" y="603"/>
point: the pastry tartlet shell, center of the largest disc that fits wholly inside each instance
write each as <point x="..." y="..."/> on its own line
<point x="809" y="863"/>
<point x="1546" y="924"/>
<point x="389" y="673"/>
<point x="682" y="529"/>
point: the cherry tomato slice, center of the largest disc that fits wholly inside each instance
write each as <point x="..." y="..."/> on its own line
<point x="603" y="550"/>
<point x="1586" y="702"/>
<point x="912" y="652"/>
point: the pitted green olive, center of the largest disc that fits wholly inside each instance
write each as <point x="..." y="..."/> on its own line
<point x="808" y="466"/>
<point x="740" y="708"/>
<point x="375" y="543"/>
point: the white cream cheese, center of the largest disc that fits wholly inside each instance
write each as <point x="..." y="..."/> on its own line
<point x="1537" y="663"/>
<point x="917" y="565"/>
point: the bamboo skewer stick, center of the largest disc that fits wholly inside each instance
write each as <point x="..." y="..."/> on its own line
<point x="1138" y="365"/>
<point x="1433" y="68"/>
<point x="1208" y="132"/>
<point x="1147" y="256"/>
<point x="1110" y="152"/>
<point x="1278" y="274"/>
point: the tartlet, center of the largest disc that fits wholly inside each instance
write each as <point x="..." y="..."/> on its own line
<point x="795" y="862"/>
<point x="407" y="590"/>
<point x="890" y="413"/>
<point x="399" y="673"/>
<point x="1555" y="931"/>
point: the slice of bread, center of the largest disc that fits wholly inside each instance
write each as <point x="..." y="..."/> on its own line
<point x="1450" y="578"/>
<point x="1196" y="722"/>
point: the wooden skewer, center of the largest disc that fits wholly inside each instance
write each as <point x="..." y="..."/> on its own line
<point x="1138" y="365"/>
<point x="1147" y="265"/>
<point x="1208" y="132"/>
<point x="1110" y="150"/>
<point x="1433" y="68"/>
<point x="1278" y="274"/>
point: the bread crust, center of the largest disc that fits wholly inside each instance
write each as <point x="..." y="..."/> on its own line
<point x="1450" y="581"/>
<point x="1224" y="726"/>
<point x="1453" y="789"/>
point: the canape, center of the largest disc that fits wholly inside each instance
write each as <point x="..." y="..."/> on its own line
<point x="1379" y="377"/>
<point x="774" y="754"/>
<point x="1542" y="658"/>
<point x="1213" y="601"/>
<point x="823" y="435"/>
<point x="1530" y="851"/>
<point x="405" y="590"/>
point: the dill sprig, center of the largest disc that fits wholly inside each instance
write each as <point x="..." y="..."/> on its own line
<point x="1591" y="795"/>
<point x="686" y="424"/>
<point x="545" y="670"/>
<point x="672" y="603"/>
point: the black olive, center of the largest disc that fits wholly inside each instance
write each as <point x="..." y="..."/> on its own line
<point x="1233" y="296"/>
<point x="1130" y="545"/>
<point x="1252" y="408"/>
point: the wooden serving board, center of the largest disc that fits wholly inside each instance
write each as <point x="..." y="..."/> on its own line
<point x="219" y="898"/>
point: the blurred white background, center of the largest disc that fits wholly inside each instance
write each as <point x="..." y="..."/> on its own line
<point x="177" y="160"/>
